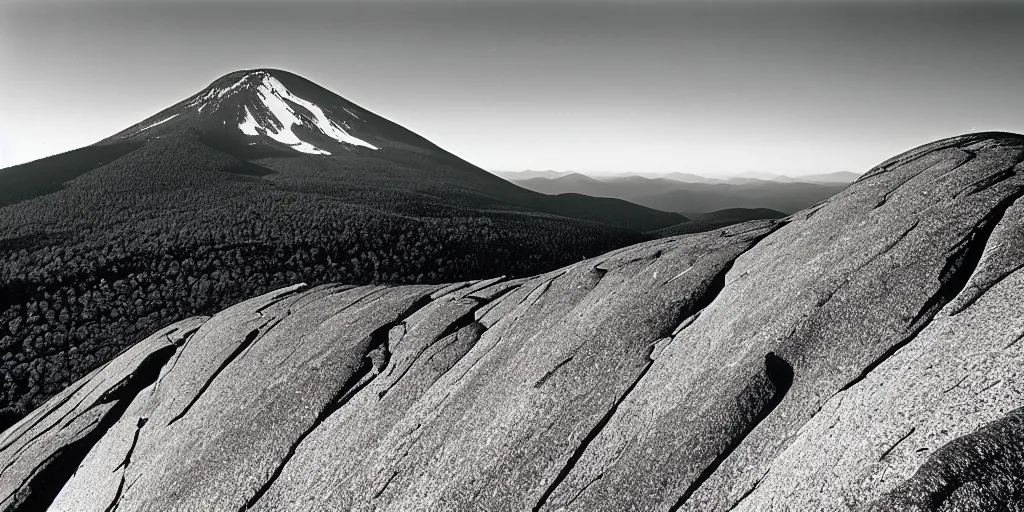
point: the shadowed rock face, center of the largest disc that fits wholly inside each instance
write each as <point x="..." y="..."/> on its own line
<point x="861" y="354"/>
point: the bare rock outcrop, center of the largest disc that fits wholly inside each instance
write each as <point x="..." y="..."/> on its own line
<point x="862" y="354"/>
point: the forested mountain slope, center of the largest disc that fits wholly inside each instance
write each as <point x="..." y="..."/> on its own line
<point x="261" y="180"/>
<point x="861" y="354"/>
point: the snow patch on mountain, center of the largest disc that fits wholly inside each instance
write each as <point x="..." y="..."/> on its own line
<point x="216" y="94"/>
<point x="271" y="110"/>
<point x="322" y="122"/>
<point x="249" y="125"/>
<point x="305" y="147"/>
<point x="282" y="118"/>
<point x="157" y="123"/>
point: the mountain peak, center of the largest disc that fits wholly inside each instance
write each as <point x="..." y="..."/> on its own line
<point x="264" y="107"/>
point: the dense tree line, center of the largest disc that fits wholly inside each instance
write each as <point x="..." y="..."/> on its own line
<point x="134" y="246"/>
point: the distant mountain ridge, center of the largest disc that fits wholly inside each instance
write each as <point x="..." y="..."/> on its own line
<point x="695" y="196"/>
<point x="832" y="177"/>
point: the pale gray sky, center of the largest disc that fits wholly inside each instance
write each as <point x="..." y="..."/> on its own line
<point x="595" y="86"/>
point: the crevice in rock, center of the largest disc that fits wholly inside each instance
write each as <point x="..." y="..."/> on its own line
<point x="596" y="275"/>
<point x="277" y="300"/>
<point x="976" y="471"/>
<point x="123" y="466"/>
<point x="451" y="288"/>
<point x="385" y="486"/>
<point x="899" y="441"/>
<point x="846" y="279"/>
<point x="885" y="197"/>
<point x="135" y="440"/>
<point x="686" y="323"/>
<point x="687" y="315"/>
<point x="461" y="323"/>
<point x="370" y="295"/>
<point x="111" y="394"/>
<point x="540" y="382"/>
<point x="987" y="182"/>
<point x="457" y="325"/>
<point x="517" y="312"/>
<point x="249" y="338"/>
<point x="748" y="492"/>
<point x="81" y="430"/>
<point x="482" y="284"/>
<point x="986" y="388"/>
<point x="265" y="328"/>
<point x="954" y="386"/>
<point x="367" y="295"/>
<point x="116" y="501"/>
<point x="779" y="374"/>
<point x="648" y="258"/>
<point x="40" y="488"/>
<point x="533" y="296"/>
<point x="589" y="438"/>
<point x="522" y="306"/>
<point x="953" y="278"/>
<point x="981" y="290"/>
<point x="180" y="342"/>
<point x="1015" y="341"/>
<point x="923" y="151"/>
<point x="904" y="159"/>
<point x="658" y="244"/>
<point x="13" y="439"/>
<point x="472" y="365"/>
<point x="377" y="356"/>
<point x="809" y="212"/>
<point x="57" y="424"/>
<point x="774" y="224"/>
<point x="492" y="298"/>
<point x="584" y="489"/>
<point x="473" y="331"/>
<point x="971" y="155"/>
<point x="64" y="419"/>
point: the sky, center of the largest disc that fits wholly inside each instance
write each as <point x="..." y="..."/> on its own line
<point x="711" y="87"/>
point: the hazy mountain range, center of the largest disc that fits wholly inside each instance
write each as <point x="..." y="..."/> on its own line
<point x="833" y="177"/>
<point x="689" y="193"/>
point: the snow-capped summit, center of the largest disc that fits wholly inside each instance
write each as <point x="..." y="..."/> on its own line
<point x="267" y="109"/>
<point x="280" y="116"/>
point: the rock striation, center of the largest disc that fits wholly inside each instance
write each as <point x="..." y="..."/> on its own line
<point x="862" y="354"/>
